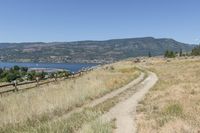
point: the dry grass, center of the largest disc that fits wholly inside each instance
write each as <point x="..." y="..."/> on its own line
<point x="173" y="105"/>
<point x="99" y="126"/>
<point x="58" y="98"/>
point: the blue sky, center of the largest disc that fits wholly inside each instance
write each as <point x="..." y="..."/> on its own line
<point x="70" y="20"/>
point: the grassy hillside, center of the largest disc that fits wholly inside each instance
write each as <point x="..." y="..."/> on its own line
<point x="34" y="110"/>
<point x="173" y="105"/>
<point x="89" y="51"/>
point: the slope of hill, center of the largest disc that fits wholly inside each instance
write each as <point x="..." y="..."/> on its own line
<point x="173" y="104"/>
<point x="88" y="51"/>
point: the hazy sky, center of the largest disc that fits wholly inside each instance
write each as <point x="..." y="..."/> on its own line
<point x="69" y="20"/>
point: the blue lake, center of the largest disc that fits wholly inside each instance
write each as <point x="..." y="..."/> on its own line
<point x="71" y="67"/>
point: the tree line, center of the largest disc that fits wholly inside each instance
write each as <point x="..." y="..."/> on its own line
<point x="171" y="54"/>
<point x="196" y="50"/>
<point x="23" y="74"/>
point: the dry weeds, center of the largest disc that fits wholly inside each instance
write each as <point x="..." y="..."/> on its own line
<point x="58" y="98"/>
<point x="173" y="105"/>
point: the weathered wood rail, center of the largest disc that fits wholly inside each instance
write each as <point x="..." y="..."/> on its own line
<point x="14" y="87"/>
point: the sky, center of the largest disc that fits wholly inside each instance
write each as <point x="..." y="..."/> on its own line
<point x="74" y="20"/>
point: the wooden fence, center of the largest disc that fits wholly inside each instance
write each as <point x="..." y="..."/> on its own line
<point x="14" y="87"/>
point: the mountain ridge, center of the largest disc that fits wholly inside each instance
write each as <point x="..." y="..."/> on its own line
<point x="89" y="51"/>
<point x="80" y="41"/>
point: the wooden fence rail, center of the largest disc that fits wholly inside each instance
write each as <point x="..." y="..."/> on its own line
<point x="15" y="86"/>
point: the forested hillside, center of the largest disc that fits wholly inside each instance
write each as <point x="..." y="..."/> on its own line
<point x="88" y="51"/>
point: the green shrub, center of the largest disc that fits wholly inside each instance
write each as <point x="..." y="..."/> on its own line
<point x="196" y="51"/>
<point x="170" y="54"/>
<point x="174" y="110"/>
<point x="12" y="76"/>
<point x="24" y="69"/>
<point x="31" y="75"/>
<point x="16" y="68"/>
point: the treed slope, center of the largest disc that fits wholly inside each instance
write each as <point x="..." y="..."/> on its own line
<point x="88" y="51"/>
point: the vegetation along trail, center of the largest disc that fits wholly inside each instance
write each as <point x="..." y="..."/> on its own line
<point x="107" y="96"/>
<point x="69" y="104"/>
<point x="123" y="113"/>
<point x="117" y="104"/>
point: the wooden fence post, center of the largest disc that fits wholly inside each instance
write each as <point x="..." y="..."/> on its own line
<point x="55" y="76"/>
<point x="37" y="81"/>
<point x="66" y="75"/>
<point x="15" y="85"/>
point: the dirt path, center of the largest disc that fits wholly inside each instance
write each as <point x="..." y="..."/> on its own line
<point x="116" y="92"/>
<point x="105" y="97"/>
<point x="124" y="112"/>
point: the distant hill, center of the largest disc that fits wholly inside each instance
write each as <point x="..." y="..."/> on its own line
<point x="88" y="51"/>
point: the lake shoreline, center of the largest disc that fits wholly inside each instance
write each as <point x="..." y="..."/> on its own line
<point x="72" y="67"/>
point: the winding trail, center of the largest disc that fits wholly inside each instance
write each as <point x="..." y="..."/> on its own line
<point x="124" y="112"/>
<point x="102" y="99"/>
<point x="117" y="92"/>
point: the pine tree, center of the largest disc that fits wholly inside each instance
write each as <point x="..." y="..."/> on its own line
<point x="172" y="54"/>
<point x="166" y="53"/>
<point x="169" y="54"/>
<point x="180" y="52"/>
<point x="149" y="54"/>
<point x="196" y="50"/>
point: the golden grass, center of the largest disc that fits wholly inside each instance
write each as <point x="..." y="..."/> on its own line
<point x="55" y="99"/>
<point x="99" y="126"/>
<point x="173" y="105"/>
<point x="75" y="121"/>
